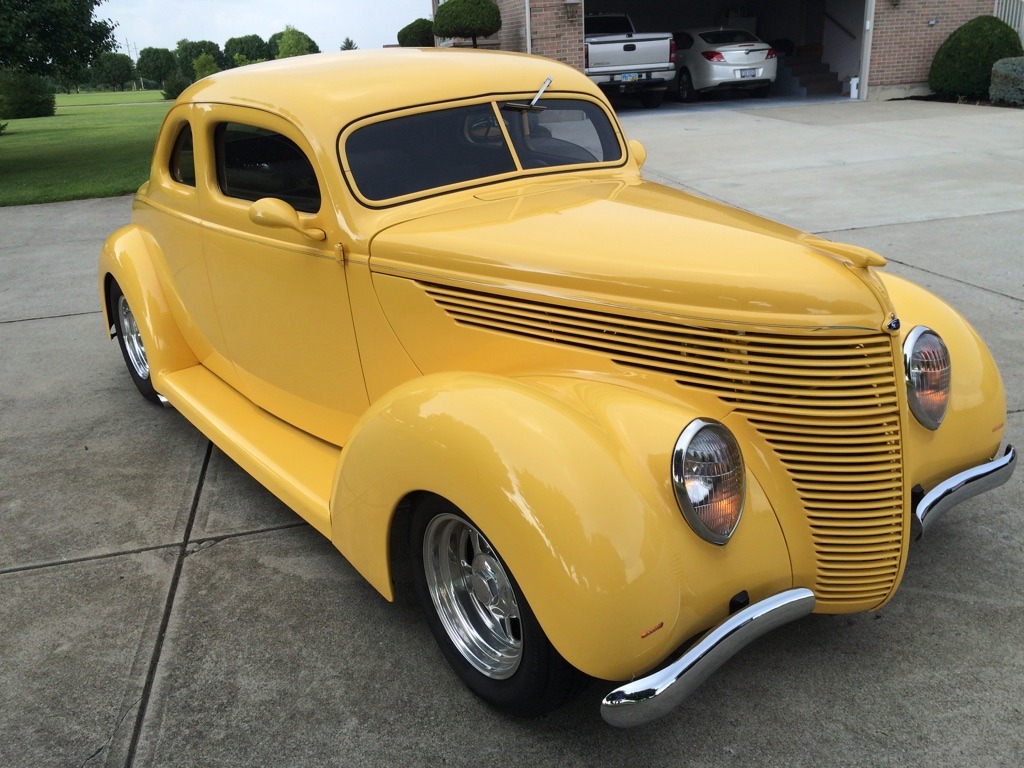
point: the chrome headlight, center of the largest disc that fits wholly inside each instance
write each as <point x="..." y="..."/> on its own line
<point x="709" y="479"/>
<point x="926" y="361"/>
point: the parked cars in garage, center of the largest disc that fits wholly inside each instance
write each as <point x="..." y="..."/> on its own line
<point x="615" y="430"/>
<point x="715" y="58"/>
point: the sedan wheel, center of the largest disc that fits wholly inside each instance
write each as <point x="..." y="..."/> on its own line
<point x="480" y="618"/>
<point x="686" y="92"/>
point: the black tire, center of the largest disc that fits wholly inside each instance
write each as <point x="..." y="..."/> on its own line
<point x="685" y="86"/>
<point x="129" y="339"/>
<point x="495" y="646"/>
<point x="652" y="99"/>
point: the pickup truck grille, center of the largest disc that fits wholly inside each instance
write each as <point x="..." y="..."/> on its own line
<point x="827" y="405"/>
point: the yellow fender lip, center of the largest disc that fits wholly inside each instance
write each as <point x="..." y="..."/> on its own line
<point x="658" y="693"/>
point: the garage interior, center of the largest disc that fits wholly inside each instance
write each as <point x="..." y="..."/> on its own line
<point x="820" y="42"/>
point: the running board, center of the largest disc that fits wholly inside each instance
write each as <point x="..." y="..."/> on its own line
<point x="296" y="467"/>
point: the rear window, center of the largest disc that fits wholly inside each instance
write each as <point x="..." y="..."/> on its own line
<point x="728" y="37"/>
<point x="465" y="145"/>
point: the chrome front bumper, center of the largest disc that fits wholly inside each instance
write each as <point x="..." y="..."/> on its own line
<point x="650" y="697"/>
<point x="961" y="487"/>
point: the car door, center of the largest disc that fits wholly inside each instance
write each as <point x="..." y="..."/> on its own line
<point x="280" y="292"/>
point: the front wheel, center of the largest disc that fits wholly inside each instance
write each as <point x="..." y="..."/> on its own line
<point x="480" y="618"/>
<point x="129" y="338"/>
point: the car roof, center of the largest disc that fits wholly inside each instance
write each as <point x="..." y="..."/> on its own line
<point x="332" y="89"/>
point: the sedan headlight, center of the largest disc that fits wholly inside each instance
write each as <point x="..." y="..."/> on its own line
<point x="709" y="479"/>
<point x="926" y="361"/>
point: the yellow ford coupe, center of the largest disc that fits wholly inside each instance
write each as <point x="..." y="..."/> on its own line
<point x="617" y="431"/>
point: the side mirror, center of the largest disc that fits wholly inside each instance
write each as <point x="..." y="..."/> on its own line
<point x="271" y="212"/>
<point x="638" y="151"/>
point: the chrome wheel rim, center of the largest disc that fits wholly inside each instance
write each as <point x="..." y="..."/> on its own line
<point x="132" y="339"/>
<point x="473" y="596"/>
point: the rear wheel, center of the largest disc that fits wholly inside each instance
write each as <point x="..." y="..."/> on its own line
<point x="480" y="618"/>
<point x="686" y="92"/>
<point x="129" y="338"/>
<point x="652" y="99"/>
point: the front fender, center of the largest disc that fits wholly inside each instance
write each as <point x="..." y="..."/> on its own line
<point x="570" y="481"/>
<point x="129" y="256"/>
<point x="975" y="420"/>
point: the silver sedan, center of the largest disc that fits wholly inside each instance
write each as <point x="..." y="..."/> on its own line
<point x="716" y="58"/>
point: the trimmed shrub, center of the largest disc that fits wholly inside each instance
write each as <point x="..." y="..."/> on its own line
<point x="467" y="18"/>
<point x="418" y="34"/>
<point x="174" y="85"/>
<point x="24" y="95"/>
<point x="962" y="66"/>
<point x="1008" y="82"/>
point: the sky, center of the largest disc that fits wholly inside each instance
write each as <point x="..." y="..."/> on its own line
<point x="161" y="24"/>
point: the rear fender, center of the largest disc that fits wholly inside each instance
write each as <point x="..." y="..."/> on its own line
<point x="130" y="257"/>
<point x="572" y="488"/>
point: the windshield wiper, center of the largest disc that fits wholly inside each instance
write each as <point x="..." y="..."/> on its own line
<point x="532" y="106"/>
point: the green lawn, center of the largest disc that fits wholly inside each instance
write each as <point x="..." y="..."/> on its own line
<point x="98" y="147"/>
<point x="107" y="97"/>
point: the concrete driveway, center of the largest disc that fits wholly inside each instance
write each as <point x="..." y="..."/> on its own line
<point x="157" y="607"/>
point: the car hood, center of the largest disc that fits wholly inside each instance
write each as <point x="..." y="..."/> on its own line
<point x="639" y="245"/>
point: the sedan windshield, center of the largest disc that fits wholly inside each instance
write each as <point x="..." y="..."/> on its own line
<point x="463" y="145"/>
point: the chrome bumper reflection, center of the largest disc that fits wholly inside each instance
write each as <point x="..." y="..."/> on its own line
<point x="961" y="487"/>
<point x="660" y="692"/>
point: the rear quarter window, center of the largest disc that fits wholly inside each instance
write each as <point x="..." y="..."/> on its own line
<point x="253" y="163"/>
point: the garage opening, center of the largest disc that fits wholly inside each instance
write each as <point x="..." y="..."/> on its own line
<point x="819" y="43"/>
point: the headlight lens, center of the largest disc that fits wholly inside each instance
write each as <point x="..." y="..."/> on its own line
<point x="709" y="479"/>
<point x="926" y="360"/>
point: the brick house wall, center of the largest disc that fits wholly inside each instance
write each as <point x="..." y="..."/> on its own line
<point x="904" y="40"/>
<point x="556" y="29"/>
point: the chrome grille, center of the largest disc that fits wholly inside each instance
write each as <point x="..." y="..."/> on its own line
<point x="827" y="405"/>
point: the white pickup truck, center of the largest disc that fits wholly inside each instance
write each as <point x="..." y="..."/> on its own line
<point x="621" y="60"/>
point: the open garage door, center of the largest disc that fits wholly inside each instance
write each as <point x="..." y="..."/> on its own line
<point x="820" y="43"/>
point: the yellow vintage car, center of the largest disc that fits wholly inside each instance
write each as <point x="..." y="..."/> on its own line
<point x="617" y="431"/>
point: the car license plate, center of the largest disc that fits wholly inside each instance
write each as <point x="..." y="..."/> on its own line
<point x="748" y="73"/>
<point x="629" y="77"/>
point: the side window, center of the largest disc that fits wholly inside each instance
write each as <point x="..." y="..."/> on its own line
<point x="253" y="163"/>
<point x="183" y="162"/>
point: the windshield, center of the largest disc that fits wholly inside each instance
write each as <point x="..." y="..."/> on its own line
<point x="418" y="153"/>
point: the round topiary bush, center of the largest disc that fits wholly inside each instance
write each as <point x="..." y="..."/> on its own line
<point x="24" y="95"/>
<point x="962" y="66"/>
<point x="1008" y="82"/>
<point x="418" y="34"/>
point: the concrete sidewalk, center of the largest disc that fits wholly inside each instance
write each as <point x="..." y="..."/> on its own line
<point x="157" y="607"/>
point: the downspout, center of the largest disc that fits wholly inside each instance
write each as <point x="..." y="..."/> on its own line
<point x="865" y="53"/>
<point x="529" y="31"/>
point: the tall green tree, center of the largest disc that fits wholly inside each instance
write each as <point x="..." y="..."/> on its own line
<point x="252" y="48"/>
<point x="204" y="66"/>
<point x="156" y="64"/>
<point x="112" y="70"/>
<point x="37" y="36"/>
<point x="418" y="34"/>
<point x="294" y="42"/>
<point x="189" y="50"/>
<point x="348" y="44"/>
<point x="467" y="18"/>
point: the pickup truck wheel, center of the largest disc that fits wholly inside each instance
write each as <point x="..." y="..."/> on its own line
<point x="652" y="99"/>
<point x="129" y="338"/>
<point x="686" y="92"/>
<point x="480" y="618"/>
